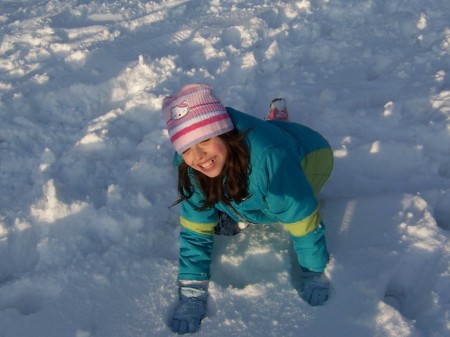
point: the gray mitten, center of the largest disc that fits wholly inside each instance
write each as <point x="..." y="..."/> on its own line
<point x="191" y="307"/>
<point x="314" y="288"/>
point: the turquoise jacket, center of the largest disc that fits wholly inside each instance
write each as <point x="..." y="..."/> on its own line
<point x="280" y="192"/>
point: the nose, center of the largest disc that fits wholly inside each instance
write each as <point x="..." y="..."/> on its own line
<point x="198" y="152"/>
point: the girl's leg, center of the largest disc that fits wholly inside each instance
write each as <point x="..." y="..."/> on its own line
<point x="277" y="110"/>
<point x="317" y="167"/>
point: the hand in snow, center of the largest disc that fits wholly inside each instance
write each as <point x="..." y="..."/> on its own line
<point x="314" y="288"/>
<point x="190" y="310"/>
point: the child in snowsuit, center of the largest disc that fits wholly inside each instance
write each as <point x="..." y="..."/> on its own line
<point x="253" y="171"/>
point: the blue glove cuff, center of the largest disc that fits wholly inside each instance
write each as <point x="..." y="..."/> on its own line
<point x="194" y="284"/>
<point x="188" y="293"/>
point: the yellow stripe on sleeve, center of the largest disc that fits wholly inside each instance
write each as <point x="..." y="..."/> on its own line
<point x="201" y="228"/>
<point x="304" y="226"/>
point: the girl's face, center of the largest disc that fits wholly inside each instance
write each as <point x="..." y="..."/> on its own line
<point x="207" y="157"/>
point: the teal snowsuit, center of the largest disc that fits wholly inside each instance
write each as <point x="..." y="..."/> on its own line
<point x="289" y="164"/>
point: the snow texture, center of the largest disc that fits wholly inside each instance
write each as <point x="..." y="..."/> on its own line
<point x="88" y="243"/>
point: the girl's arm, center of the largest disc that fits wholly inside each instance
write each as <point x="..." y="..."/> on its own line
<point x="196" y="240"/>
<point x="195" y="255"/>
<point x="291" y="200"/>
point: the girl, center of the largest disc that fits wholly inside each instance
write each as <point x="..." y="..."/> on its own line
<point x="251" y="170"/>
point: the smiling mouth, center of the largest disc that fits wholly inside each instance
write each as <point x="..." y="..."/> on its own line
<point x="209" y="164"/>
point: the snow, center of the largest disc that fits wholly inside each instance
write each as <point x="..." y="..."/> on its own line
<point x="88" y="243"/>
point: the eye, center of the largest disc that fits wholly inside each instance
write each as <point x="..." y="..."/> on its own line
<point x="205" y="141"/>
<point x="186" y="151"/>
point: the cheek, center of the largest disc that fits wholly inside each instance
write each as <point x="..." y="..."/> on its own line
<point x="187" y="159"/>
<point x="222" y="149"/>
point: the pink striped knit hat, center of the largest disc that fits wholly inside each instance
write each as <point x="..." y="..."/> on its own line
<point x="193" y="115"/>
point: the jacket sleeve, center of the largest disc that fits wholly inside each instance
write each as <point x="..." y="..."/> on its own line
<point x="195" y="255"/>
<point x="291" y="200"/>
<point x="196" y="240"/>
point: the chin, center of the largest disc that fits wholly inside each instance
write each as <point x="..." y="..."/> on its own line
<point x="212" y="174"/>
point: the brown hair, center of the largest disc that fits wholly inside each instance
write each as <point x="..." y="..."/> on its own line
<point x="230" y="185"/>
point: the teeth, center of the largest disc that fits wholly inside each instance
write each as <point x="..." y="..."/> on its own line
<point x="208" y="164"/>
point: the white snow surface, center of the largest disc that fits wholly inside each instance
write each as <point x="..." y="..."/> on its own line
<point x="88" y="243"/>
